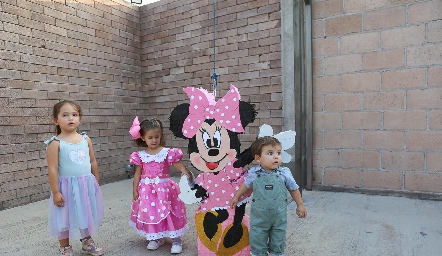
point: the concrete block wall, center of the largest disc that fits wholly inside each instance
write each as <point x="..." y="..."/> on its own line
<point x="378" y="94"/>
<point x="177" y="51"/>
<point x="377" y="82"/>
<point x="84" y="50"/>
<point x="118" y="61"/>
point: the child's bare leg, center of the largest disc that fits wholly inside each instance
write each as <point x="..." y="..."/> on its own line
<point x="65" y="247"/>
<point x="64" y="242"/>
<point x="63" y="239"/>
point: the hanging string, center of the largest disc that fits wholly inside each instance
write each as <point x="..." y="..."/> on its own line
<point x="214" y="76"/>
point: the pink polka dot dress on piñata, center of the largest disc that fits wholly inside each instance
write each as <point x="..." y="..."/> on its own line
<point x="158" y="212"/>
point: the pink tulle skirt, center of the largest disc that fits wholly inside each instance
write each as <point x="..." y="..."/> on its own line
<point x="82" y="212"/>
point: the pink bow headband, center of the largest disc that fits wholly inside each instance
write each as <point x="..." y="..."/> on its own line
<point x="203" y="106"/>
<point x="135" y="129"/>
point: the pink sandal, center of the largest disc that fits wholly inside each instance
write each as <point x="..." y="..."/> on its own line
<point x="88" y="245"/>
<point x="66" y="251"/>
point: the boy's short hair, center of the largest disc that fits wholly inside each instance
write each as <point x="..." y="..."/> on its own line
<point x="259" y="143"/>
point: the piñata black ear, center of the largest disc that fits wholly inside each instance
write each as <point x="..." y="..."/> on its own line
<point x="177" y="117"/>
<point x="244" y="158"/>
<point x="247" y="112"/>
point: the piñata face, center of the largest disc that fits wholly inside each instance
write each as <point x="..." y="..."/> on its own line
<point x="213" y="144"/>
<point x="212" y="127"/>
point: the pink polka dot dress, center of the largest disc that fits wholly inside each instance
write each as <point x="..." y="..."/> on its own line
<point x="158" y="212"/>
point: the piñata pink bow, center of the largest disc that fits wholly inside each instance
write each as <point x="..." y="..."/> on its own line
<point x="135" y="129"/>
<point x="203" y="106"/>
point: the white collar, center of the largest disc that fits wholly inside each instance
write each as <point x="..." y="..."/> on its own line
<point x="159" y="157"/>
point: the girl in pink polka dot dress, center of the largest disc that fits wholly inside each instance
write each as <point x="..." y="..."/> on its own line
<point x="157" y="212"/>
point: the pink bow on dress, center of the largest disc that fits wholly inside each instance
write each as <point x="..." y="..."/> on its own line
<point x="203" y="106"/>
<point x="135" y="129"/>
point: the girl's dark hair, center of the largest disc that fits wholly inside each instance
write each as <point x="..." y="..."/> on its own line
<point x="58" y="106"/>
<point x="147" y="125"/>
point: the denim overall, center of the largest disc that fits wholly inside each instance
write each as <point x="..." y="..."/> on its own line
<point x="268" y="218"/>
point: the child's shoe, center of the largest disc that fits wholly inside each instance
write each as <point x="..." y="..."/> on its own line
<point x="176" y="245"/>
<point x="155" y="244"/>
<point x="66" y="251"/>
<point x="176" y="248"/>
<point x="90" y="247"/>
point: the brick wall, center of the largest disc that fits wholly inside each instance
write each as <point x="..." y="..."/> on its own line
<point x="87" y="51"/>
<point x="378" y="94"/>
<point x="377" y="82"/>
<point x="177" y="51"/>
<point x="118" y="60"/>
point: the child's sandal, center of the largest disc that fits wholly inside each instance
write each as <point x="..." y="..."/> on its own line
<point x="66" y="250"/>
<point x="88" y="246"/>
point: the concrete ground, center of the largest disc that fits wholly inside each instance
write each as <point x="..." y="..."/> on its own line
<point x="337" y="224"/>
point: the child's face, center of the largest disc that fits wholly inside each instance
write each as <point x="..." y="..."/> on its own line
<point x="270" y="157"/>
<point x="152" y="138"/>
<point x="68" y="118"/>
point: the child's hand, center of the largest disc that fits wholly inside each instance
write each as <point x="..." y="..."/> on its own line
<point x="58" y="199"/>
<point x="233" y="202"/>
<point x="301" y="211"/>
<point x="184" y="171"/>
<point x="135" y="195"/>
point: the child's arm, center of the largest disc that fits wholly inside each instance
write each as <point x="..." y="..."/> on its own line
<point x="137" y="177"/>
<point x="52" y="158"/>
<point x="242" y="189"/>
<point x="94" y="164"/>
<point x="183" y="169"/>
<point x="300" y="209"/>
